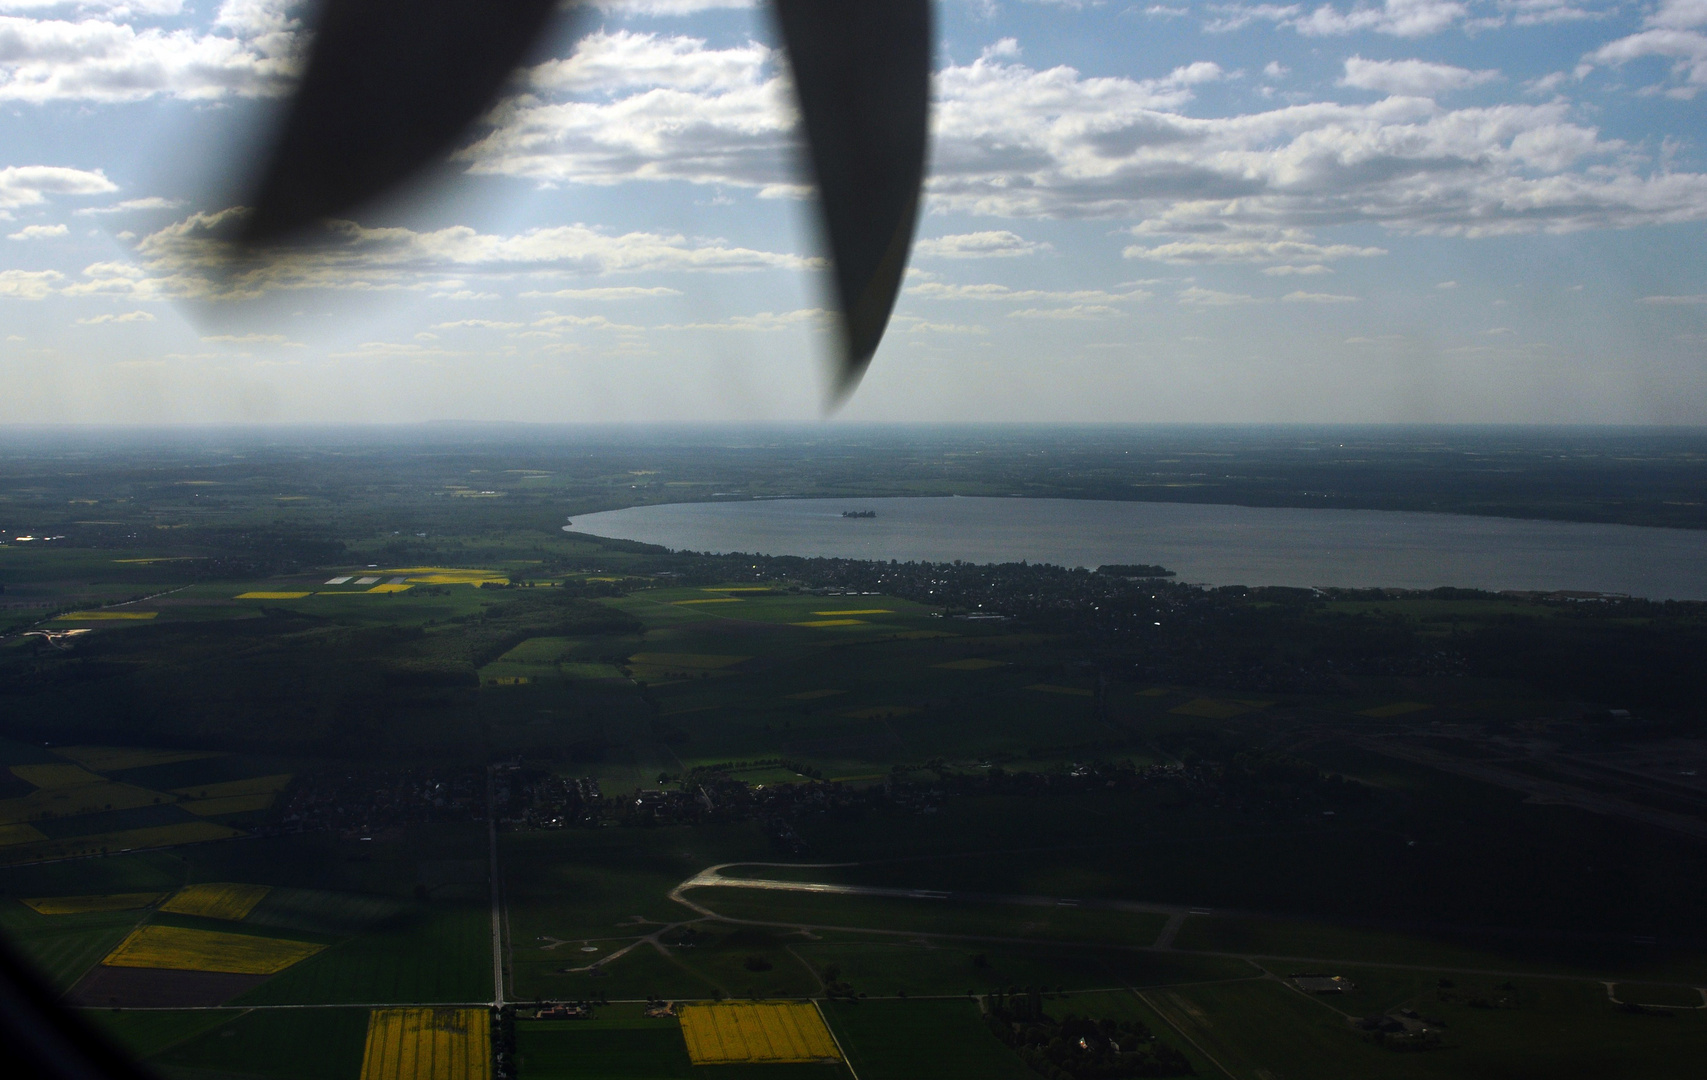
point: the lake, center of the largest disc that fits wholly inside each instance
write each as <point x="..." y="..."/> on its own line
<point x="1209" y="544"/>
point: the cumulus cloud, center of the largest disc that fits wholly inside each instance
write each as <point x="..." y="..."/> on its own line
<point x="936" y="290"/>
<point x="661" y="108"/>
<point x="1396" y="18"/>
<point x="1017" y="142"/>
<point x="190" y="258"/>
<point x="990" y="244"/>
<point x="124" y="317"/>
<point x="38" y="232"/>
<point x="30" y="185"/>
<point x="1688" y="301"/>
<point x="609" y="292"/>
<point x="44" y="60"/>
<point x="1076" y="312"/>
<point x="150" y="202"/>
<point x="1670" y="32"/>
<point x="1417" y="77"/>
<point x="28" y="284"/>
<point x="1196" y="296"/>
<point x="764" y="322"/>
<point x="1317" y="298"/>
<point x="1236" y="249"/>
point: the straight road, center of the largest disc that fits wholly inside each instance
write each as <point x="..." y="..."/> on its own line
<point x="497" y="893"/>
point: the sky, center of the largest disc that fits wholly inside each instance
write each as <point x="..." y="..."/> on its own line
<point x="1395" y="211"/>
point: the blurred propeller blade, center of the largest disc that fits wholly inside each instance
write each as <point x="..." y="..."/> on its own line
<point x="390" y="86"/>
<point x="862" y="69"/>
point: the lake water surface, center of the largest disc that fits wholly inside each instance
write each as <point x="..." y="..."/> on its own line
<point x="1216" y="545"/>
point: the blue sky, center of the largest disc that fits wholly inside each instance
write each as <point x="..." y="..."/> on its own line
<point x="1416" y="210"/>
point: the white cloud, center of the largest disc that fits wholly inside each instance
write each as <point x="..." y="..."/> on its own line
<point x="1674" y="300"/>
<point x="150" y="202"/>
<point x="1679" y="14"/>
<point x="247" y="339"/>
<point x="712" y="116"/>
<point x="920" y="326"/>
<point x="1446" y="285"/>
<point x="45" y="60"/>
<point x="1670" y="33"/>
<point x="1230" y="17"/>
<point x="1235" y="249"/>
<point x="1017" y="143"/>
<point x="1274" y="69"/>
<point x="190" y="259"/>
<point x="1398" y="18"/>
<point x="1686" y="48"/>
<point x="1540" y="12"/>
<point x="995" y="243"/>
<point x="1195" y="296"/>
<point x="125" y="317"/>
<point x="1288" y="270"/>
<point x="1076" y="312"/>
<point x="936" y="290"/>
<point x="669" y="7"/>
<point x="1012" y="141"/>
<point x="1417" y="77"/>
<point x="609" y="292"/>
<point x="1318" y="298"/>
<point x="117" y="9"/>
<point x="28" y="284"/>
<point x="763" y="322"/>
<point x="30" y="185"/>
<point x="38" y="232"/>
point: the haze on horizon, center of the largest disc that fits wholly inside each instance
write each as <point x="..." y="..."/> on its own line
<point x="1405" y="211"/>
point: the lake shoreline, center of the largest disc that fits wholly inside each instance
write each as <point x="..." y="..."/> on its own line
<point x="1207" y="543"/>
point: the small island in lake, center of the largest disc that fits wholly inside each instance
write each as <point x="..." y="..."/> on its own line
<point x="859" y="513"/>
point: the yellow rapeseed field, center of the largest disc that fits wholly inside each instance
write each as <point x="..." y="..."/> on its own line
<point x="107" y="616"/>
<point x="216" y="900"/>
<point x="84" y="799"/>
<point x="428" y="1044"/>
<point x="450" y="575"/>
<point x="189" y="832"/>
<point x="181" y="949"/>
<point x="56" y="776"/>
<point x="20" y="834"/>
<point x="767" y="1032"/>
<point x="714" y="600"/>
<point x="390" y="588"/>
<point x="83" y="905"/>
<point x="859" y="611"/>
<point x="112" y="758"/>
<point x="255" y="785"/>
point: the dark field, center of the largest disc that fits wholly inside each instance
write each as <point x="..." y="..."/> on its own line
<point x="1143" y="802"/>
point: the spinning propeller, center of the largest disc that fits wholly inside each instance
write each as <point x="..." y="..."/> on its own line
<point x="392" y="85"/>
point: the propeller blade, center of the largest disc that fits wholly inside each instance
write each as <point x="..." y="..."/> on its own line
<point x="390" y="86"/>
<point x="862" y="69"/>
